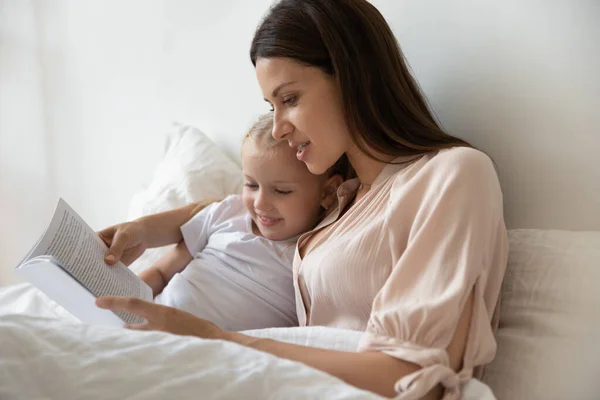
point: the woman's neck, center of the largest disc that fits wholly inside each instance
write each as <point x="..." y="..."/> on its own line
<point x="367" y="169"/>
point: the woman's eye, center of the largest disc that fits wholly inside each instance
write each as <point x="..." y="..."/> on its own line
<point x="290" y="101"/>
<point x="284" y="192"/>
<point x="251" y="186"/>
<point x="271" y="108"/>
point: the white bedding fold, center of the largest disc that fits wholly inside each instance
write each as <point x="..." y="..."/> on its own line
<point x="50" y="358"/>
<point x="46" y="353"/>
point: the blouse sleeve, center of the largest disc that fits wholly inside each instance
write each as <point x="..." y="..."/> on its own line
<point x="448" y="241"/>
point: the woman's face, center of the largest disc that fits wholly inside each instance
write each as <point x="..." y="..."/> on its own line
<point x="307" y="111"/>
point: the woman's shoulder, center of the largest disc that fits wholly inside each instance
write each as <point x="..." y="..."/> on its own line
<point x="470" y="168"/>
<point x="460" y="159"/>
<point x="458" y="169"/>
<point x="452" y="180"/>
<point x="462" y="163"/>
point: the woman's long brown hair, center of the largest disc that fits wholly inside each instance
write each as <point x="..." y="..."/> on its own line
<point x="351" y="41"/>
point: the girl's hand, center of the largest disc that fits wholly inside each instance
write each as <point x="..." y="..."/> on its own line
<point x="129" y="240"/>
<point x="126" y="242"/>
<point x="162" y="318"/>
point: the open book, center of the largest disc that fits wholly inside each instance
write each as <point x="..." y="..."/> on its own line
<point x="67" y="264"/>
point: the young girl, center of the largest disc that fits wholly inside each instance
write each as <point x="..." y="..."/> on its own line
<point x="233" y="265"/>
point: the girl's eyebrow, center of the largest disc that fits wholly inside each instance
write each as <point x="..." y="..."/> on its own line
<point x="279" y="181"/>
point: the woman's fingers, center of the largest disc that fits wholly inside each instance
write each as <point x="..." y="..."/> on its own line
<point x="131" y="305"/>
<point x="139" y="327"/>
<point x="161" y="318"/>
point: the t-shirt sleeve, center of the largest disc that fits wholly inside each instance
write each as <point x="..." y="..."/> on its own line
<point x="198" y="229"/>
<point x="448" y="242"/>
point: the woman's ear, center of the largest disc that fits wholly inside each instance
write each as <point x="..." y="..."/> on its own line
<point x="330" y="190"/>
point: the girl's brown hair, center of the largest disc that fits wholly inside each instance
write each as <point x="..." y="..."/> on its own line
<point x="351" y="41"/>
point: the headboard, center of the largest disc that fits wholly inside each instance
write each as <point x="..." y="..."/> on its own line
<point x="519" y="80"/>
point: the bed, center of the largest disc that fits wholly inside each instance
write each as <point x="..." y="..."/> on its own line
<point x="546" y="339"/>
<point x="494" y="72"/>
<point x="47" y="354"/>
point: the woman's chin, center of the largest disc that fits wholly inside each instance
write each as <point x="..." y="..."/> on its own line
<point x="315" y="169"/>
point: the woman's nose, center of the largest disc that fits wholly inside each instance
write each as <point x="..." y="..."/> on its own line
<point x="281" y="128"/>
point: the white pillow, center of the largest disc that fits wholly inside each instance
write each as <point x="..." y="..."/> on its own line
<point x="549" y="332"/>
<point x="193" y="168"/>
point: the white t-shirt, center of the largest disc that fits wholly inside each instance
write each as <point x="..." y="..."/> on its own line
<point x="237" y="280"/>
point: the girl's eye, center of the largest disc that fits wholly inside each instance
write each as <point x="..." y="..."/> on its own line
<point x="251" y="186"/>
<point x="271" y="108"/>
<point x="283" y="192"/>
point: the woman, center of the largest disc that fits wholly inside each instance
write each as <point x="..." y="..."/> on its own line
<point x="415" y="253"/>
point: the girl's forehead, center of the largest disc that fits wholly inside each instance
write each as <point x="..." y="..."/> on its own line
<point x="274" y="164"/>
<point x="257" y="150"/>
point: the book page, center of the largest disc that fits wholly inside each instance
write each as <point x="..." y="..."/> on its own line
<point x="80" y="253"/>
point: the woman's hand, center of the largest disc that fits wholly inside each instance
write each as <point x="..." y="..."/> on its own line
<point x="126" y="242"/>
<point x="162" y="318"/>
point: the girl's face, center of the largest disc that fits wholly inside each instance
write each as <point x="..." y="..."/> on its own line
<point x="283" y="198"/>
<point x="307" y="111"/>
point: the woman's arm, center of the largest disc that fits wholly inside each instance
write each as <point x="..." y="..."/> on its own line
<point x="174" y="261"/>
<point x="373" y="371"/>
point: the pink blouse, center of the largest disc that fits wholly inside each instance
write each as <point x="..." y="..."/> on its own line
<point x="401" y="263"/>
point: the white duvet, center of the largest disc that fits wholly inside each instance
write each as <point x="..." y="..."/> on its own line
<point x="46" y="354"/>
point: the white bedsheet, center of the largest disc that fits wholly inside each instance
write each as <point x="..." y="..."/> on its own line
<point x="46" y="353"/>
